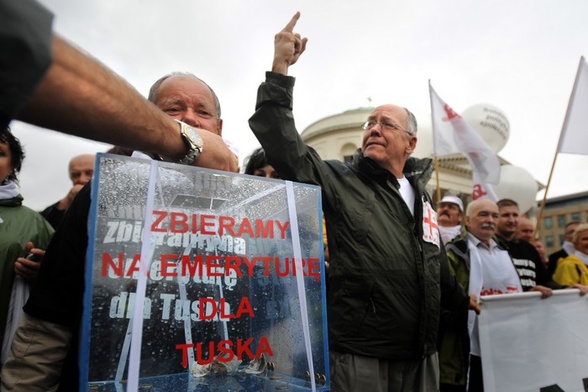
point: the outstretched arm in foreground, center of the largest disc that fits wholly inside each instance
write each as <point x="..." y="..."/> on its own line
<point x="80" y="96"/>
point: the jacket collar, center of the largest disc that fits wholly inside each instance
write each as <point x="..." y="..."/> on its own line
<point x="417" y="171"/>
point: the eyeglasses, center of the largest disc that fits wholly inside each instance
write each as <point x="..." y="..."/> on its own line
<point x="385" y="124"/>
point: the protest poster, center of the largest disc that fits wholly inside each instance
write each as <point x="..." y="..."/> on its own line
<point x="226" y="270"/>
<point x="533" y="344"/>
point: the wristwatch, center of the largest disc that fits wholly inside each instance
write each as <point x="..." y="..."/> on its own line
<point x="193" y="141"/>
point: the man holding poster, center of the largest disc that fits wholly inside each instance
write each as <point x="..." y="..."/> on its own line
<point x="387" y="274"/>
<point x="54" y="309"/>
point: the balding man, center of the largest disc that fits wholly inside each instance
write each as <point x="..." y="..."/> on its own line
<point x="525" y="229"/>
<point x="54" y="309"/>
<point x="81" y="169"/>
<point x="387" y="272"/>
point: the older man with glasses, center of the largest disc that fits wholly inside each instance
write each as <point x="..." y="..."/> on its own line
<point x="387" y="273"/>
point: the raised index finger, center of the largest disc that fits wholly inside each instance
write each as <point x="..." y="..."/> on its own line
<point x="290" y="26"/>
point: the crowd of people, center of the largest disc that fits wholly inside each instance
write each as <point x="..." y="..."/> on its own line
<point x="403" y="288"/>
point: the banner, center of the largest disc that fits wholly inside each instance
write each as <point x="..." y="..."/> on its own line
<point x="574" y="133"/>
<point x="531" y="344"/>
<point x="201" y="278"/>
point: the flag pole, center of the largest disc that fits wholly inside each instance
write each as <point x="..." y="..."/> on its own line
<point x="436" y="167"/>
<point x="435" y="159"/>
<point x="540" y="213"/>
<point x="561" y="137"/>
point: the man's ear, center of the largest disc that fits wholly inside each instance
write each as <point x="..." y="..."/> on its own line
<point x="412" y="141"/>
<point x="219" y="127"/>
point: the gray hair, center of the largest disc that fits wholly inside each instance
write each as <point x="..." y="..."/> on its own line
<point x="155" y="88"/>
<point x="412" y="123"/>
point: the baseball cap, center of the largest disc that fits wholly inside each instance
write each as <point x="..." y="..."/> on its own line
<point x="454" y="200"/>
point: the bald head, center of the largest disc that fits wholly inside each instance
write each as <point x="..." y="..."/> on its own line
<point x="81" y="169"/>
<point x="389" y="137"/>
<point x="525" y="229"/>
<point x="187" y="98"/>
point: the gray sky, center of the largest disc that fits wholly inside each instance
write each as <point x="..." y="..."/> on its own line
<point x="520" y="56"/>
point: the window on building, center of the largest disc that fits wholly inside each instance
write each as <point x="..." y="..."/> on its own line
<point x="549" y="241"/>
<point x="548" y="223"/>
<point x="347" y="152"/>
<point x="561" y="220"/>
<point x="562" y="238"/>
<point x="576" y="217"/>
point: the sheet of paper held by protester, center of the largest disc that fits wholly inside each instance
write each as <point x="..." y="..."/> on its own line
<point x="199" y="278"/>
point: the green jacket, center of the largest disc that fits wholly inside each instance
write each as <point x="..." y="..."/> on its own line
<point x="18" y="225"/>
<point x="385" y="283"/>
<point x="454" y="349"/>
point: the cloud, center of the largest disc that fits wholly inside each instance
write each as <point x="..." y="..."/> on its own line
<point x="521" y="57"/>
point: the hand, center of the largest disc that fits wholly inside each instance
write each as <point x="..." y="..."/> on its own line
<point x="583" y="289"/>
<point x="28" y="268"/>
<point x="545" y="291"/>
<point x="474" y="304"/>
<point x="288" y="47"/>
<point x="65" y="203"/>
<point x="215" y="153"/>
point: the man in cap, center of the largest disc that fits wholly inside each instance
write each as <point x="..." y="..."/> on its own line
<point x="450" y="217"/>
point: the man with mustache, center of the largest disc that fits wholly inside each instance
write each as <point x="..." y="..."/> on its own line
<point x="449" y="218"/>
<point x="484" y="267"/>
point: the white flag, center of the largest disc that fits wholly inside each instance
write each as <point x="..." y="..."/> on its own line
<point x="452" y="135"/>
<point x="574" y="133"/>
<point x="482" y="190"/>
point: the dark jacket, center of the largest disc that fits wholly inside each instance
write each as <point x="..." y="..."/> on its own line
<point x="527" y="262"/>
<point x="25" y="53"/>
<point x="53" y="215"/>
<point x="454" y="349"/>
<point x="554" y="258"/>
<point x="385" y="283"/>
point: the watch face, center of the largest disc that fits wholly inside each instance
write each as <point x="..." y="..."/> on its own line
<point x="193" y="141"/>
<point x="193" y="136"/>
